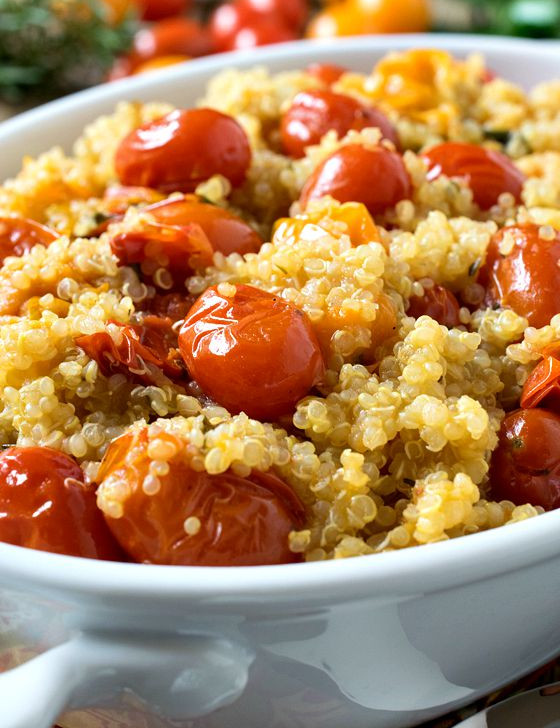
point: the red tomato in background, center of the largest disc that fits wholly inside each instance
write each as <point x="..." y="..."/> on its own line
<point x="241" y="521"/>
<point x="242" y="24"/>
<point x="175" y="36"/>
<point x="263" y="32"/>
<point x="45" y="505"/>
<point x="438" y="303"/>
<point x="488" y="173"/>
<point x="525" y="467"/>
<point x="315" y="112"/>
<point x="376" y="177"/>
<point x="294" y="13"/>
<point x="19" y="234"/>
<point x="328" y="73"/>
<point x="227" y="20"/>
<point x="528" y="278"/>
<point x="252" y="352"/>
<point x="182" y="149"/>
<point x="158" y="9"/>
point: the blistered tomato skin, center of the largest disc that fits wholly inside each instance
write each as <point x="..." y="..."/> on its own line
<point x="251" y="351"/>
<point x="313" y="113"/>
<point x="45" y="505"/>
<point x="19" y="234"/>
<point x="234" y="521"/>
<point x="488" y="173"/>
<point x="526" y="278"/>
<point x="182" y="149"/>
<point x="525" y="467"/>
<point x="376" y="177"/>
<point x="437" y="302"/>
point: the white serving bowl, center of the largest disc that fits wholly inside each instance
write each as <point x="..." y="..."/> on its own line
<point x="386" y="641"/>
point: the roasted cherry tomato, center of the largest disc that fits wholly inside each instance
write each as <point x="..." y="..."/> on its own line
<point x="45" y="505"/>
<point x="158" y="9"/>
<point x="251" y="351"/>
<point x="175" y="36"/>
<point x="18" y="235"/>
<point x="437" y="302"/>
<point x="377" y="177"/>
<point x="144" y="352"/>
<point x="182" y="149"/>
<point x="525" y="467"/>
<point x="313" y="113"/>
<point x="522" y="272"/>
<point x="488" y="173"/>
<point x="293" y="12"/>
<point x="193" y="518"/>
<point x="173" y="306"/>
<point x="328" y="73"/>
<point x="542" y="387"/>
<point x="262" y="31"/>
<point x="177" y="250"/>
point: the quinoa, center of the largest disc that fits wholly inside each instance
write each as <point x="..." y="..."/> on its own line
<point x="392" y="448"/>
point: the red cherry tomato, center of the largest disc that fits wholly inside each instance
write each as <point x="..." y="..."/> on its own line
<point x="313" y="113"/>
<point x="157" y="9"/>
<point x="182" y="149"/>
<point x="45" y="505"/>
<point x="377" y="177"/>
<point x="172" y="306"/>
<point x="328" y="73"/>
<point x="239" y="521"/>
<point x="488" y="173"/>
<point x="262" y="31"/>
<point x="251" y="352"/>
<point x="18" y="235"/>
<point x="171" y="37"/>
<point x="293" y="12"/>
<point x="227" y="20"/>
<point x="527" y="279"/>
<point x="438" y="303"/>
<point x="542" y="387"/>
<point x="143" y="352"/>
<point x="525" y="467"/>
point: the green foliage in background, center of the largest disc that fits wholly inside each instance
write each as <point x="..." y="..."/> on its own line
<point x="53" y="47"/>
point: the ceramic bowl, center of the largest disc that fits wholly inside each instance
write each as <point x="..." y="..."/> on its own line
<point x="388" y="640"/>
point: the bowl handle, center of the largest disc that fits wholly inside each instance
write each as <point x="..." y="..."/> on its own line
<point x="179" y="678"/>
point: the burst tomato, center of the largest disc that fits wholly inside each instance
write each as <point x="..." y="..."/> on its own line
<point x="251" y="351"/>
<point x="377" y="177"/>
<point x="526" y="278"/>
<point x="542" y="387"/>
<point x="45" y="505"/>
<point x="173" y="306"/>
<point x="437" y="302"/>
<point x="193" y="518"/>
<point x="487" y="172"/>
<point x="313" y="113"/>
<point x="328" y="73"/>
<point x="18" y="235"/>
<point x="182" y="149"/>
<point x="525" y="467"/>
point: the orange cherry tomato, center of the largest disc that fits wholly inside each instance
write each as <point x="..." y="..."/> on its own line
<point x="525" y="467"/>
<point x="488" y="173"/>
<point x="19" y="234"/>
<point x="527" y="279"/>
<point x="234" y="521"/>
<point x="252" y="352"/>
<point x="160" y="62"/>
<point x="542" y="387"/>
<point x="328" y="73"/>
<point x="313" y="113"/>
<point x="437" y="302"/>
<point x="359" y="17"/>
<point x="171" y="37"/>
<point x="157" y="9"/>
<point x="143" y="352"/>
<point x="45" y="505"/>
<point x="182" y="149"/>
<point x="377" y="177"/>
<point x="262" y="31"/>
<point x="292" y="12"/>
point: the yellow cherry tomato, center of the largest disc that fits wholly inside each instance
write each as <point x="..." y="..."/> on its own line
<point x="160" y="62"/>
<point x="359" y="17"/>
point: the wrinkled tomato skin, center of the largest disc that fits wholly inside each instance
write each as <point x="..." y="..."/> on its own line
<point x="488" y="173"/>
<point x="542" y="388"/>
<point x="313" y="113"/>
<point x="182" y="149"/>
<point x="45" y="505"/>
<point x="376" y="177"/>
<point x="328" y="73"/>
<point x="19" y="234"/>
<point x="226" y="232"/>
<point x="243" y="521"/>
<point x="253" y="352"/>
<point x="525" y="467"/>
<point x="527" y="279"/>
<point x="437" y="302"/>
<point x="173" y="306"/>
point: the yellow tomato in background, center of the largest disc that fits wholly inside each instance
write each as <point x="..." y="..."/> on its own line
<point x="358" y="17"/>
<point x="160" y="62"/>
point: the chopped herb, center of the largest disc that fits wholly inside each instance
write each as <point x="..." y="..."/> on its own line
<point x="101" y="217"/>
<point x="502" y="136"/>
<point x="474" y="266"/>
<point x="517" y="443"/>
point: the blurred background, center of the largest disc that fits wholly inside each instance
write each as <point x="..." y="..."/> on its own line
<point x="50" y="48"/>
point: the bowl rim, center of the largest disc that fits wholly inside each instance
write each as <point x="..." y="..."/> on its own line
<point x="421" y="569"/>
